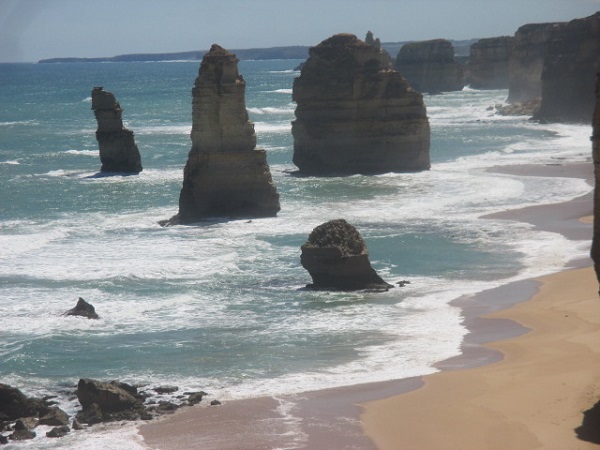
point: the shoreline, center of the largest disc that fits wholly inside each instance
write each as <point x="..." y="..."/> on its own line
<point x="314" y="420"/>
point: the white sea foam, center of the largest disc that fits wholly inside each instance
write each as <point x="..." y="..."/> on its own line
<point x="272" y="110"/>
<point x="273" y="127"/>
<point x="12" y="162"/>
<point x="93" y="153"/>
<point x="282" y="91"/>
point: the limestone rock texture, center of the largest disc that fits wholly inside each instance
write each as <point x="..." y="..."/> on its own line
<point x="356" y="114"/>
<point x="429" y="66"/>
<point x="118" y="151"/>
<point x="336" y="257"/>
<point x="571" y="61"/>
<point x="595" y="253"/>
<point x="488" y="63"/>
<point x="225" y="175"/>
<point x="526" y="61"/>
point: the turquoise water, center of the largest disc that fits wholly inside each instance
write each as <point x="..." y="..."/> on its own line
<point x="222" y="306"/>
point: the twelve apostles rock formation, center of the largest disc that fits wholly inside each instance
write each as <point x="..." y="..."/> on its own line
<point x="571" y="61"/>
<point x="118" y="152"/>
<point x="356" y="114"/>
<point x="429" y="66"/>
<point x="526" y="61"/>
<point x="596" y="159"/>
<point x="336" y="257"/>
<point x="225" y="175"/>
<point x="488" y="63"/>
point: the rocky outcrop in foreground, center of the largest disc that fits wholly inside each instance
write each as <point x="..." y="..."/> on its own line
<point x="429" y="66"/>
<point x="571" y="61"/>
<point x="118" y="152"/>
<point x="225" y="175"/>
<point x="596" y="159"/>
<point x="83" y="309"/>
<point x="356" y="114"/>
<point x="336" y="257"/>
<point x="488" y="63"/>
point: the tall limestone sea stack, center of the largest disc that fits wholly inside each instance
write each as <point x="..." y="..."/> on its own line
<point x="356" y="114"/>
<point x="429" y="66"/>
<point x="571" y="61"/>
<point x="488" y="63"/>
<point x="225" y="175"/>
<point x="118" y="152"/>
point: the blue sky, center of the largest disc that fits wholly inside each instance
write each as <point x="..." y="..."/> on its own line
<point x="35" y="29"/>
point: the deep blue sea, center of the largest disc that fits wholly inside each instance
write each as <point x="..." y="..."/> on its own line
<point x="221" y="306"/>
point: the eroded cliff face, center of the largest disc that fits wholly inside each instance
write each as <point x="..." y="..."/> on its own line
<point x="225" y="175"/>
<point x="596" y="158"/>
<point x="118" y="152"/>
<point x="356" y="114"/>
<point x="429" y="66"/>
<point x="572" y="59"/>
<point x="488" y="63"/>
<point x="526" y="61"/>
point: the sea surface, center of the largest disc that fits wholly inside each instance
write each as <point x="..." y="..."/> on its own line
<point x="222" y="306"/>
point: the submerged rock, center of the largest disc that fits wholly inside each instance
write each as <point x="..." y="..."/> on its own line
<point x="336" y="257"/>
<point x="118" y="152"/>
<point x="356" y="114"/>
<point x="429" y="66"/>
<point x="225" y="175"/>
<point x="83" y="309"/>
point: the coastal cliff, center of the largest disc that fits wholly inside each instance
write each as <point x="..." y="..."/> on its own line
<point x="526" y="61"/>
<point x="488" y="63"/>
<point x="595" y="253"/>
<point x="429" y="66"/>
<point x="118" y="152"/>
<point x="572" y="59"/>
<point x="225" y="175"/>
<point x="356" y="114"/>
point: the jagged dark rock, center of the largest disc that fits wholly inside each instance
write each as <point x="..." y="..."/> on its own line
<point x="571" y="61"/>
<point x="83" y="309"/>
<point x="22" y="432"/>
<point x="225" y="175"/>
<point x="429" y="66"/>
<point x="108" y="396"/>
<point x="15" y="405"/>
<point x="54" y="417"/>
<point x="118" y="152"/>
<point x="166" y="389"/>
<point x="58" y="432"/>
<point x="356" y="114"/>
<point x="488" y="63"/>
<point x="336" y="257"/>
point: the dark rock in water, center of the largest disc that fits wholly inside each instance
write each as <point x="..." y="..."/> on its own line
<point x="91" y="415"/>
<point x="336" y="257"/>
<point x="83" y="309"/>
<point x="58" y="432"/>
<point x="595" y="253"/>
<point x="429" y="66"/>
<point x="356" y="114"/>
<point x="195" y="398"/>
<point x="118" y="152"/>
<point x="108" y="396"/>
<point x="166" y="389"/>
<point x="54" y="417"/>
<point x="22" y="432"/>
<point x="215" y="403"/>
<point x="488" y="63"/>
<point x="528" y="108"/>
<point x="3" y="439"/>
<point x="571" y="62"/>
<point x="225" y="175"/>
<point x="14" y="404"/>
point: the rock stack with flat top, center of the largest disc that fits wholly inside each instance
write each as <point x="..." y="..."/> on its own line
<point x="356" y="114"/>
<point x="488" y="63"/>
<point x="118" y="152"/>
<point x="429" y="66"/>
<point x="225" y="175"/>
<point x="336" y="257"/>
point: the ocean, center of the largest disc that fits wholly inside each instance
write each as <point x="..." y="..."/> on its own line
<point x="222" y="306"/>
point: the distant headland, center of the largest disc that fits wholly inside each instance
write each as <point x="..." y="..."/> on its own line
<point x="290" y="52"/>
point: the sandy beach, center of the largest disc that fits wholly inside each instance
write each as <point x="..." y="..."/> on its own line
<point x="528" y="371"/>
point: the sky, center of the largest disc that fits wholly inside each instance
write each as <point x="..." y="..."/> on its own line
<point x="31" y="30"/>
